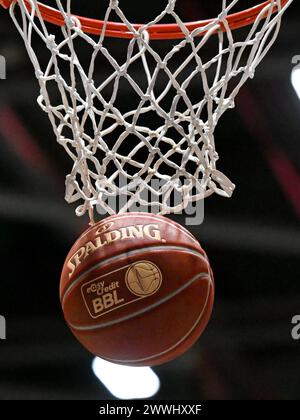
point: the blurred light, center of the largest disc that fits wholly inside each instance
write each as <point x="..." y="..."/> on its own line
<point x="295" y="79"/>
<point x="126" y="382"/>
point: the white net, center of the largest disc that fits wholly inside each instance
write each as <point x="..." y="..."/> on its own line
<point x="137" y="116"/>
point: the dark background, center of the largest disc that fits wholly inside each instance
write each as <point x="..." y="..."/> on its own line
<point x="253" y="241"/>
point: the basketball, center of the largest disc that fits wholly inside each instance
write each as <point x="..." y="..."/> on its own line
<point x="137" y="289"/>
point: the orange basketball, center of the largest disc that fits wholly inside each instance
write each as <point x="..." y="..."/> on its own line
<point x="137" y="289"/>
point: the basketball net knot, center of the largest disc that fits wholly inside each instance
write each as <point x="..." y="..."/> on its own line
<point x="114" y="4"/>
<point x="171" y="6"/>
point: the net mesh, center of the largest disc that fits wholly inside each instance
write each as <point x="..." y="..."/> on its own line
<point x="137" y="117"/>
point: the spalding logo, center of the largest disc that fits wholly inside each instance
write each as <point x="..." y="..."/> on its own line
<point x="104" y="236"/>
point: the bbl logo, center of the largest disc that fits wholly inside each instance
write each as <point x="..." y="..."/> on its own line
<point x="143" y="278"/>
<point x="121" y="287"/>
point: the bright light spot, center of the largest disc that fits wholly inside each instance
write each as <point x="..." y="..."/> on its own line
<point x="295" y="79"/>
<point x="126" y="382"/>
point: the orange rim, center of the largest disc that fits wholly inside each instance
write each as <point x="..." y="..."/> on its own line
<point x="159" y="31"/>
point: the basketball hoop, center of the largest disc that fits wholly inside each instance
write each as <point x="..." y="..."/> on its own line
<point x="177" y="147"/>
<point x="156" y="31"/>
